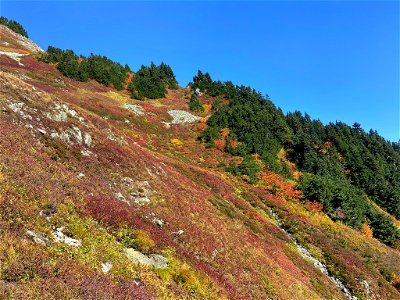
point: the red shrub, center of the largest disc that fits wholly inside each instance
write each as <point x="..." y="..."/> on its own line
<point x="314" y="206"/>
<point x="111" y="212"/>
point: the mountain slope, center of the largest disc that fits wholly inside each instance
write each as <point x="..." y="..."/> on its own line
<point x="87" y="173"/>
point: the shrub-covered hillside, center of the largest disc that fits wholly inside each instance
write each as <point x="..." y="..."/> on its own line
<point x="122" y="185"/>
<point x="343" y="167"/>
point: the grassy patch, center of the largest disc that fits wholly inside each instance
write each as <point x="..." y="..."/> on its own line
<point x="132" y="238"/>
<point x="198" y="285"/>
<point x="224" y="207"/>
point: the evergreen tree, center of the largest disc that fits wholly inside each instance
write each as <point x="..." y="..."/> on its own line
<point x="152" y="82"/>
<point x="14" y="26"/>
<point x="195" y="105"/>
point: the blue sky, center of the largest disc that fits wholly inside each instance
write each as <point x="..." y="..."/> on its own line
<point x="336" y="60"/>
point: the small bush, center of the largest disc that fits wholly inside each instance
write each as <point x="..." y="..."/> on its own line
<point x="108" y="211"/>
<point x="224" y="207"/>
<point x="250" y="167"/>
<point x="185" y="276"/>
<point x="176" y="142"/>
<point x="132" y="238"/>
<point x="195" y="105"/>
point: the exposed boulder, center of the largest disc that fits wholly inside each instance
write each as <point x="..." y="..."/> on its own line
<point x="182" y="117"/>
<point x="154" y="260"/>
<point x="60" y="237"/>
<point x="106" y="267"/>
<point x="136" y="109"/>
<point x="198" y="92"/>
<point x="38" y="238"/>
<point x="73" y="134"/>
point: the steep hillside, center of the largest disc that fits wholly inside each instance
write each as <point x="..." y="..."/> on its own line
<point x="107" y="197"/>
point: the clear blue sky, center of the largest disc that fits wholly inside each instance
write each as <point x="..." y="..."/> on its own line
<point x="336" y="60"/>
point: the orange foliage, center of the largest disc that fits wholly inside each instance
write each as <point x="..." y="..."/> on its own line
<point x="328" y="145"/>
<point x="224" y="132"/>
<point x="199" y="127"/>
<point x="366" y="230"/>
<point x="220" y="144"/>
<point x="256" y="156"/>
<point x="260" y="218"/>
<point x="314" y="206"/>
<point x="282" y="189"/>
<point x="296" y="175"/>
<point x="233" y="143"/>
<point x="129" y="78"/>
<point x="207" y="107"/>
<point x="204" y="120"/>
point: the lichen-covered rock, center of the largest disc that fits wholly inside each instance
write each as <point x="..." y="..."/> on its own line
<point x="87" y="139"/>
<point x="137" y="109"/>
<point x="38" y="238"/>
<point x="60" y="113"/>
<point x="121" y="197"/>
<point x="158" y="221"/>
<point x="59" y="116"/>
<point x="139" y="191"/>
<point x="21" y="109"/>
<point x="106" y="267"/>
<point x="60" y="237"/>
<point x="182" y="117"/>
<point x="198" y="92"/>
<point x="15" y="56"/>
<point x="73" y="134"/>
<point x="120" y="140"/>
<point x="154" y="260"/>
<point x="142" y="200"/>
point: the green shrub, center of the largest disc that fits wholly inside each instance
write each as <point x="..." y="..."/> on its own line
<point x="250" y="167"/>
<point x="133" y="238"/>
<point x="195" y="105"/>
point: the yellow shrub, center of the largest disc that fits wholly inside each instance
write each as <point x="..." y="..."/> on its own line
<point x="135" y="238"/>
<point x="366" y="230"/>
<point x="207" y="107"/>
<point x="144" y="243"/>
<point x="176" y="142"/>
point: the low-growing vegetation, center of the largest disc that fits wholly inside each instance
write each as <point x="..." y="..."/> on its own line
<point x="74" y="215"/>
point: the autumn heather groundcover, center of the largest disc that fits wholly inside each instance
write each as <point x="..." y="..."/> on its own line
<point x="126" y="186"/>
